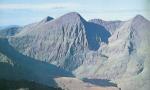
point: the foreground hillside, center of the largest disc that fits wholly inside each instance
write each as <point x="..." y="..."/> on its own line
<point x="19" y="72"/>
<point x="15" y="66"/>
<point x="23" y="85"/>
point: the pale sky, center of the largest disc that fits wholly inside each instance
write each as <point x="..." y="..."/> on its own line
<point x="22" y="12"/>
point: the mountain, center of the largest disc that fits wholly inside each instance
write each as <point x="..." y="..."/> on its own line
<point x="63" y="41"/>
<point x="9" y="30"/>
<point x="95" y="50"/>
<point x="128" y="53"/>
<point x="56" y="41"/>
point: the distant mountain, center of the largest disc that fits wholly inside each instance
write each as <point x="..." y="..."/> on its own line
<point x="7" y="26"/>
<point x="94" y="49"/>
<point x="9" y="30"/>
<point x="110" y="26"/>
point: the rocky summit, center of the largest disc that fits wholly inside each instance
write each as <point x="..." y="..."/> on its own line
<point x="94" y="53"/>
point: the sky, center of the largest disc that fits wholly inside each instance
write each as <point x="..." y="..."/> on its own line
<point x="22" y="12"/>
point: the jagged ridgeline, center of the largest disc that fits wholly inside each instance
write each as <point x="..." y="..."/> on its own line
<point x="94" y="49"/>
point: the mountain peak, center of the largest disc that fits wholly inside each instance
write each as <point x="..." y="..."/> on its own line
<point x="138" y="18"/>
<point x="73" y="14"/>
<point x="72" y="17"/>
<point x="48" y="18"/>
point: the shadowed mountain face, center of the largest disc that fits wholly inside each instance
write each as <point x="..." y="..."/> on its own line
<point x="100" y="82"/>
<point x="110" y="26"/>
<point x="95" y="49"/>
<point x="96" y="34"/>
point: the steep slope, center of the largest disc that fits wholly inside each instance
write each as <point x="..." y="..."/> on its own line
<point x="96" y="35"/>
<point x="137" y="73"/>
<point x="15" y="66"/>
<point x="129" y="41"/>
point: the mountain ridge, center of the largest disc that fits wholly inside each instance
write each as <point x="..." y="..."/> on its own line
<point x="95" y="49"/>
